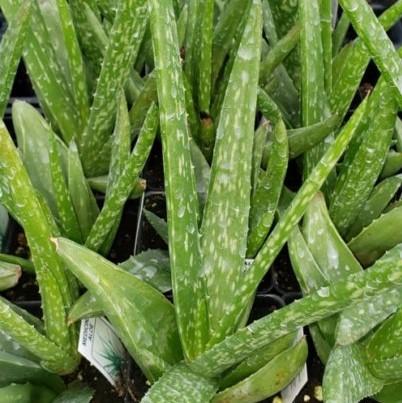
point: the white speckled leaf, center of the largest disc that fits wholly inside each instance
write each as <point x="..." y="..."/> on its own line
<point x="347" y="378"/>
<point x="143" y="318"/>
<point x="158" y="224"/>
<point x="11" y="51"/>
<point x="181" y="194"/>
<point x="225" y="221"/>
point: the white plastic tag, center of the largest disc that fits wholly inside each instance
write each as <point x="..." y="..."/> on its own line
<point x="100" y="345"/>
<point x="291" y="391"/>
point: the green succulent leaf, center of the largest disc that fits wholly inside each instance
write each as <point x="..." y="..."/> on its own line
<point x="76" y="393"/>
<point x="11" y="51"/>
<point x="228" y="203"/>
<point x="181" y="195"/>
<point x="158" y="224"/>
<point x="377" y="41"/>
<point x="347" y="378"/>
<point x="268" y="380"/>
<point x="143" y="318"/>
<point x="392" y="164"/>
<point x="378" y="237"/>
<point x="26" y="393"/>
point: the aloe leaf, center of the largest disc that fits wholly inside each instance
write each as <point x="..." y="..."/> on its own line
<point x="46" y="75"/>
<point x="180" y="382"/>
<point x="278" y="53"/>
<point x="257" y="361"/>
<point x="20" y="370"/>
<point x="229" y="191"/>
<point x="329" y="250"/>
<point x="158" y="224"/>
<point x="357" y="320"/>
<point x="269" y="189"/>
<point x="75" y="60"/>
<point x="123" y="185"/>
<point x="326" y="37"/>
<point x="303" y="139"/>
<point x="260" y="137"/>
<point x="121" y="146"/>
<point x="352" y="187"/>
<point x="4" y="221"/>
<point x="193" y="117"/>
<point x="53" y="283"/>
<point x="355" y="64"/>
<point x="314" y="97"/>
<point x="151" y="266"/>
<point x="392" y="164"/>
<point x="347" y="378"/>
<point x="319" y="305"/>
<point x="99" y="184"/>
<point x="386" y="363"/>
<point x="202" y="173"/>
<point x="224" y="32"/>
<point x="377" y="41"/>
<point x="85" y="307"/>
<point x="52" y="356"/>
<point x="379" y="199"/>
<point x="296" y="210"/>
<point x="25" y="264"/>
<point x="129" y="23"/>
<point x="268" y="380"/>
<point x="26" y="393"/>
<point x="68" y="221"/>
<point x="269" y="23"/>
<point x="268" y="107"/>
<point x="307" y="271"/>
<point x="398" y="134"/>
<point x="34" y="138"/>
<point x="378" y="237"/>
<point x="142" y="104"/>
<point x="205" y="32"/>
<point x="321" y="345"/>
<point x="192" y="40"/>
<point x="390" y="394"/>
<point x="76" y="393"/>
<point x="9" y="275"/>
<point x="339" y="34"/>
<point x="83" y="200"/>
<point x="285" y="14"/>
<point x="181" y="195"/>
<point x="151" y="335"/>
<point x="11" y="51"/>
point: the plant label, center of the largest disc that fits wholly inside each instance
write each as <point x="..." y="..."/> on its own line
<point x="100" y="345"/>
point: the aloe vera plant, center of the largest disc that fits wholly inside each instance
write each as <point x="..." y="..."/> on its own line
<point x="245" y="95"/>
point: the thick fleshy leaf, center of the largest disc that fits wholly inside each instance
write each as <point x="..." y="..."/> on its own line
<point x="11" y="51"/>
<point x="383" y="349"/>
<point x="84" y="202"/>
<point x="318" y="305"/>
<point x="334" y="258"/>
<point x="347" y="378"/>
<point x="158" y="224"/>
<point x="266" y="198"/>
<point x="181" y="383"/>
<point x="143" y="318"/>
<point x="357" y="320"/>
<point x="26" y="393"/>
<point x="99" y="184"/>
<point x="122" y="186"/>
<point x="76" y="393"/>
<point x="392" y="164"/>
<point x="256" y="361"/>
<point x="227" y="209"/>
<point x="390" y="394"/>
<point x="20" y="370"/>
<point x="378" y="237"/>
<point x="379" y="199"/>
<point x="56" y="292"/>
<point x="360" y="172"/>
<point x="377" y="41"/>
<point x="268" y="380"/>
<point x="34" y="139"/>
<point x="125" y="39"/>
<point x="181" y="194"/>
